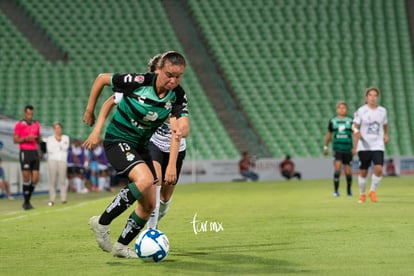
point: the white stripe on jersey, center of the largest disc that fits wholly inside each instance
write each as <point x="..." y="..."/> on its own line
<point x="118" y="97"/>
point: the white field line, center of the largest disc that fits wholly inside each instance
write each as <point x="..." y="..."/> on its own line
<point x="52" y="210"/>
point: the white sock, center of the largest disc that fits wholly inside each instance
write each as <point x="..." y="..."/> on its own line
<point x="164" y="207"/>
<point x="362" y="182"/>
<point x="375" y="181"/>
<point x="101" y="183"/>
<point x="153" y="220"/>
<point x="107" y="183"/>
<point x="78" y="184"/>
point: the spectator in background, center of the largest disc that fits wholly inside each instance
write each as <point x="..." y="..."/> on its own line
<point x="100" y="177"/>
<point x="287" y="169"/>
<point x="246" y="166"/>
<point x="27" y="135"/>
<point x="57" y="146"/>
<point x="390" y="168"/>
<point x="77" y="162"/>
<point x="4" y="184"/>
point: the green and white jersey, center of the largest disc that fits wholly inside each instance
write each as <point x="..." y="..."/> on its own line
<point x="341" y="130"/>
<point x="140" y="111"/>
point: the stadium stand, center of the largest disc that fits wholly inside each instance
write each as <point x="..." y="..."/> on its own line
<point x="116" y="39"/>
<point x="287" y="62"/>
<point x="290" y="61"/>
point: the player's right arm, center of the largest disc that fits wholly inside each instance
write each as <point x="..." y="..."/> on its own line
<point x="328" y="138"/>
<point x="94" y="138"/>
<point x="100" y="82"/>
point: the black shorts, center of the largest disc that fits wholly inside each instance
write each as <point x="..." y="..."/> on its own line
<point x="344" y="157"/>
<point x="123" y="157"/>
<point x="29" y="160"/>
<point x="163" y="157"/>
<point x="368" y="157"/>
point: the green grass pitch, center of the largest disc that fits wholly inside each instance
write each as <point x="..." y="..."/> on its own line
<point x="240" y="228"/>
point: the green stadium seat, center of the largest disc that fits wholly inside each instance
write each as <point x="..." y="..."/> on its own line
<point x="296" y="59"/>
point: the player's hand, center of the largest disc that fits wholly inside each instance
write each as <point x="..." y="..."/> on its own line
<point x="92" y="141"/>
<point x="177" y="133"/>
<point x="386" y="139"/>
<point x="89" y="118"/>
<point x="170" y="175"/>
<point x="354" y="151"/>
<point x="325" y="152"/>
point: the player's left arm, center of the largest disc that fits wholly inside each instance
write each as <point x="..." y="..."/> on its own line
<point x="182" y="128"/>
<point x="386" y="138"/>
<point x="356" y="136"/>
<point x="180" y="112"/>
<point x="171" y="170"/>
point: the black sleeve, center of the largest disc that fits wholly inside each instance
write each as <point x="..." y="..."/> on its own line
<point x="330" y="128"/>
<point x="127" y="83"/>
<point x="180" y="108"/>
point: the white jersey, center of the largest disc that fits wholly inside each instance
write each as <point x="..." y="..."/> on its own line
<point x="162" y="137"/>
<point x="371" y="126"/>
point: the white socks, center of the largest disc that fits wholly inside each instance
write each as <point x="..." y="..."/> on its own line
<point x="79" y="184"/>
<point x="161" y="209"/>
<point x="164" y="207"/>
<point x="375" y="182"/>
<point x="153" y="220"/>
<point x="362" y="182"/>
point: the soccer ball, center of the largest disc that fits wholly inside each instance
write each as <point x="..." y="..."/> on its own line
<point x="152" y="244"/>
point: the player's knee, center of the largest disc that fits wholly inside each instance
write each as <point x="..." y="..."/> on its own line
<point x="144" y="184"/>
<point x="165" y="198"/>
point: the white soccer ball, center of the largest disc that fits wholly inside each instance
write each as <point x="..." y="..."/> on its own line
<point x="152" y="244"/>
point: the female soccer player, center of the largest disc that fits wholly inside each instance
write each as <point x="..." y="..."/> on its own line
<point x="167" y="151"/>
<point x="340" y="129"/>
<point x="370" y="136"/>
<point x="168" y="154"/>
<point x="148" y="100"/>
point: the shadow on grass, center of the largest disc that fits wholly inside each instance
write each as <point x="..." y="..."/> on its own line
<point x="238" y="259"/>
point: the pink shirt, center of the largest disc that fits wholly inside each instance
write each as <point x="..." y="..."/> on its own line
<point x="23" y="129"/>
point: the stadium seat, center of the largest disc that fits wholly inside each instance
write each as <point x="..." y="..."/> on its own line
<point x="288" y="64"/>
<point x="319" y="53"/>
